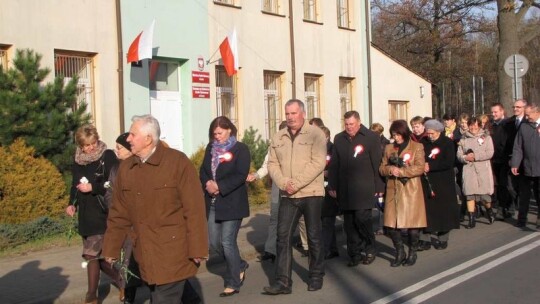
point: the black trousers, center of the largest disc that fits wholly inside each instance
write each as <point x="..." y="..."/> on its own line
<point x="526" y="184"/>
<point x="290" y="210"/>
<point x="358" y="226"/>
<point x="170" y="293"/>
<point x="329" y="234"/>
<point x="501" y="171"/>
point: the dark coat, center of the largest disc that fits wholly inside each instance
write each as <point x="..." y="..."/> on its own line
<point x="330" y="205"/>
<point x="356" y="179"/>
<point x="442" y="210"/>
<point x="512" y="131"/>
<point x="92" y="217"/>
<point x="526" y="150"/>
<point x="161" y="201"/>
<point x="500" y="132"/>
<point x="232" y="201"/>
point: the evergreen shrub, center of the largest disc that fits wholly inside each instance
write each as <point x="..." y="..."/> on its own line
<point x="30" y="187"/>
<point x="12" y="235"/>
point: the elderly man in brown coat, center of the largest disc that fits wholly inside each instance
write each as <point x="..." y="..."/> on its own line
<point x="157" y="195"/>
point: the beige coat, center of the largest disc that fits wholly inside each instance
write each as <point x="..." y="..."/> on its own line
<point x="404" y="204"/>
<point x="477" y="175"/>
<point x="301" y="161"/>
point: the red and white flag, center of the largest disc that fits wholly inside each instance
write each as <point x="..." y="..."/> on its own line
<point x="229" y="53"/>
<point x="141" y="47"/>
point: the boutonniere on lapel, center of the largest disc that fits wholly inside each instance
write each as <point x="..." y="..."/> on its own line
<point x="481" y="140"/>
<point x="225" y="157"/>
<point x="358" y="150"/>
<point x="406" y="158"/>
<point x="434" y="152"/>
<point x="328" y="158"/>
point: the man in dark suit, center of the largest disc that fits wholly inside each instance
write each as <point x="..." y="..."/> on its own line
<point x="526" y="162"/>
<point x="500" y="159"/>
<point x="512" y="126"/>
<point x="354" y="180"/>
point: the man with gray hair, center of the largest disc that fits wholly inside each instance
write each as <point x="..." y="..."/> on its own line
<point x="296" y="163"/>
<point x="526" y="162"/>
<point x="157" y="198"/>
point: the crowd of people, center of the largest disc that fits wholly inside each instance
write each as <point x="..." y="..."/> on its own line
<point x="145" y="213"/>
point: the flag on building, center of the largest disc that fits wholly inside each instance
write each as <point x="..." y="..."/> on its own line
<point x="229" y="53"/>
<point x="141" y="47"/>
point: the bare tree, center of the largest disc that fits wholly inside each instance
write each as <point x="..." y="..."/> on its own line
<point x="431" y="37"/>
<point x="510" y="21"/>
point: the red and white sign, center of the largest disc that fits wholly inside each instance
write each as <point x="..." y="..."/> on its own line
<point x="200" y="77"/>
<point x="200" y="92"/>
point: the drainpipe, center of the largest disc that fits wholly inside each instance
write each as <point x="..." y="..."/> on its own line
<point x="293" y="60"/>
<point x="120" y="69"/>
<point x="368" y="59"/>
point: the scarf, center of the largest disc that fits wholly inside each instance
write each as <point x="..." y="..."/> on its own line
<point x="82" y="158"/>
<point x="449" y="130"/>
<point x="219" y="149"/>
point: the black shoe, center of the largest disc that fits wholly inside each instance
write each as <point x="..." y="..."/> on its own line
<point x="425" y="245"/>
<point x="443" y="245"/>
<point x="399" y="257"/>
<point x="520" y="224"/>
<point x="276" y="289"/>
<point x="411" y="259"/>
<point x="243" y="278"/>
<point x="228" y="293"/>
<point x="369" y="258"/>
<point x="354" y="261"/>
<point x="314" y="285"/>
<point x="331" y="255"/>
<point x="267" y="256"/>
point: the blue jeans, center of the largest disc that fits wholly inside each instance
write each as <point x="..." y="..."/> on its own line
<point x="290" y="210"/>
<point x="222" y="239"/>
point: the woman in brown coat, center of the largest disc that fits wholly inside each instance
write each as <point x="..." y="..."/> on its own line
<point x="403" y="164"/>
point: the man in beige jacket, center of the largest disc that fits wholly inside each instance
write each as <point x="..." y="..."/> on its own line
<point x="296" y="164"/>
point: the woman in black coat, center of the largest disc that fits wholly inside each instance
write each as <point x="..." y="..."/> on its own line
<point x="93" y="163"/>
<point x="329" y="209"/>
<point x="442" y="209"/>
<point x="223" y="176"/>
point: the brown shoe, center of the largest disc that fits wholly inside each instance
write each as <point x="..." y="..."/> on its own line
<point x="90" y="299"/>
<point x="121" y="294"/>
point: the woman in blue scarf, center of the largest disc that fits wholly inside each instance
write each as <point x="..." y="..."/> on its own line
<point x="223" y="176"/>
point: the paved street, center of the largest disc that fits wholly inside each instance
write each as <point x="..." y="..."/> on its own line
<point x="489" y="264"/>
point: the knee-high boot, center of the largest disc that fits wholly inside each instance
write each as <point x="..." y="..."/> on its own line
<point x="399" y="257"/>
<point x="472" y="221"/>
<point x="414" y="238"/>
<point x="490" y="215"/>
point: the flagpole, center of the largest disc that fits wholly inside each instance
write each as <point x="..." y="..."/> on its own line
<point x="208" y="61"/>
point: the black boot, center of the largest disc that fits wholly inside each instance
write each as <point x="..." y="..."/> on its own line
<point x="472" y="221"/>
<point x="413" y="248"/>
<point x="398" y="245"/>
<point x="490" y="215"/>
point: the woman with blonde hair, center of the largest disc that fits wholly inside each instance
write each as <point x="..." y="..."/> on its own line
<point x="90" y="172"/>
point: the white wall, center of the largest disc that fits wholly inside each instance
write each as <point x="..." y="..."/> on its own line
<point x="392" y="81"/>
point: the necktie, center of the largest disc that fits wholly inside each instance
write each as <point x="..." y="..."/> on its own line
<point x="517" y="122"/>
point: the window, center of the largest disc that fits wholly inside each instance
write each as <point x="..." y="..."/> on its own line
<point x="81" y="65"/>
<point x="3" y="57"/>
<point x="226" y="99"/>
<point x="231" y="2"/>
<point x="343" y="13"/>
<point x="270" y="6"/>
<point x="312" y="92"/>
<point x="345" y="97"/>
<point x="163" y="76"/>
<point x="311" y="10"/>
<point x="398" y="110"/>
<point x="272" y="99"/>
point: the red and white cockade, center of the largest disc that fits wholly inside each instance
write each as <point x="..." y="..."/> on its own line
<point x="358" y="150"/>
<point x="406" y="158"/>
<point x="481" y="140"/>
<point x="225" y="157"/>
<point x="434" y="152"/>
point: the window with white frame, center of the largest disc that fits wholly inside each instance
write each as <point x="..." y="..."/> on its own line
<point x="3" y="57"/>
<point x="226" y="97"/>
<point x="344" y="13"/>
<point x="270" y="6"/>
<point x="312" y="92"/>
<point x="164" y="76"/>
<point x="80" y="65"/>
<point x="272" y="99"/>
<point x="311" y="10"/>
<point x="345" y="97"/>
<point x="397" y="110"/>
